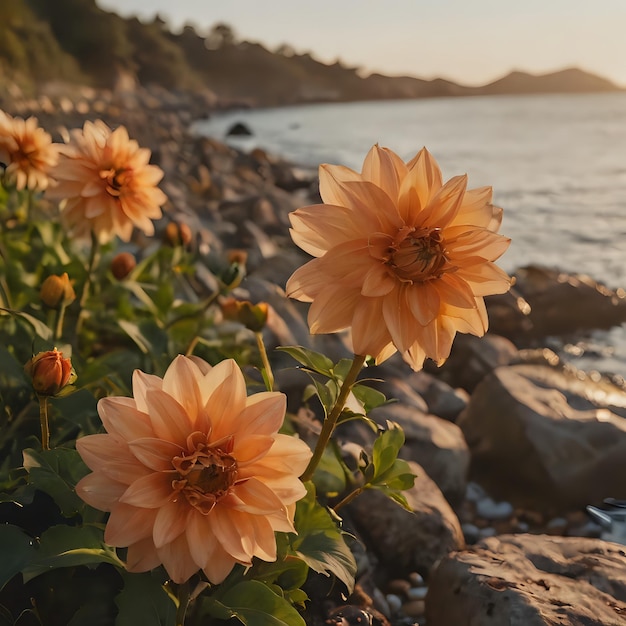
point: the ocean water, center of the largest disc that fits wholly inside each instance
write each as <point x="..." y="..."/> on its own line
<point x="557" y="164"/>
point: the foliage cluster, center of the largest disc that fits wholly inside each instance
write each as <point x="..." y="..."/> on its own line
<point x="56" y="567"/>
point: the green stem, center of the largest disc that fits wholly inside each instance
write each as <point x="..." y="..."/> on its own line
<point x="92" y="264"/>
<point x="58" y="329"/>
<point x="184" y="594"/>
<point x="268" y="375"/>
<point x="43" y="420"/>
<point x="351" y="496"/>
<point x="209" y="301"/>
<point x="330" y="422"/>
<point x="93" y="257"/>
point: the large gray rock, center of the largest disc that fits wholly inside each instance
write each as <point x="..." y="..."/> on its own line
<point x="472" y="358"/>
<point x="560" y="304"/>
<point x="407" y="541"/>
<point x="530" y="580"/>
<point x="548" y="438"/>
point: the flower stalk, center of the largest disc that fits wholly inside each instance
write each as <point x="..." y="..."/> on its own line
<point x="183" y="597"/>
<point x="43" y="421"/>
<point x="266" y="368"/>
<point x="331" y="421"/>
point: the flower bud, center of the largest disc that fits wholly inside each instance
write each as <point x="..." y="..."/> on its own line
<point x="236" y="271"/>
<point x="252" y="316"/>
<point x="178" y="234"/>
<point x="57" y="291"/>
<point x="50" y="372"/>
<point x="122" y="265"/>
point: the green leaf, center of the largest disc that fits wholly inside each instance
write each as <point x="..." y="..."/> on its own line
<point x="144" y="601"/>
<point x="255" y="604"/>
<point x="68" y="546"/>
<point x="312" y="360"/>
<point x="370" y="398"/>
<point x="394" y="481"/>
<point x="39" y="327"/>
<point x="17" y="549"/>
<point x="56" y="473"/>
<point x="386" y="448"/>
<point x="150" y="339"/>
<point x="320" y="543"/>
<point x="327" y="393"/>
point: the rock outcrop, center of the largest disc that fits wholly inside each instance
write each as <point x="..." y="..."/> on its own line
<point x="530" y="580"/>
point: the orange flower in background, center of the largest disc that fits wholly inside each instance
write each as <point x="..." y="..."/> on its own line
<point x="404" y="260"/>
<point x="107" y="183"/>
<point x="193" y="471"/>
<point x="27" y="152"/>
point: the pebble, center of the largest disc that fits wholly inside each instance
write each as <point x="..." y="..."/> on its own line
<point x="556" y="526"/>
<point x="416" y="579"/>
<point x="414" y="608"/>
<point x="417" y="593"/>
<point x="394" y="602"/>
<point x="490" y="531"/>
<point x="474" y="492"/>
<point x="398" y="586"/>
<point x="471" y="532"/>
<point x="492" y="510"/>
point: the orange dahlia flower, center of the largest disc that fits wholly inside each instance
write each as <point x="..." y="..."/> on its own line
<point x="27" y="152"/>
<point x="107" y="183"/>
<point x="403" y="260"/>
<point x="193" y="471"/>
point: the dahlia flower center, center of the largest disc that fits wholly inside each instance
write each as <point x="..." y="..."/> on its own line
<point x="418" y="255"/>
<point x="206" y="474"/>
<point x="115" y="180"/>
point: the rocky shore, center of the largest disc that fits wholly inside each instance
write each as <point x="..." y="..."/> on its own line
<point x="509" y="442"/>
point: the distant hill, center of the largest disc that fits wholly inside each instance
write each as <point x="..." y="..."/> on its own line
<point x="75" y="41"/>
<point x="571" y="80"/>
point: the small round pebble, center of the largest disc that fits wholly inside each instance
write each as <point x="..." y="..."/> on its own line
<point x="556" y="526"/>
<point x="474" y="492"/>
<point x="416" y="579"/>
<point x="488" y="532"/>
<point x="398" y="586"/>
<point x="471" y="532"/>
<point x="394" y="602"/>
<point x="414" y="608"/>
<point x="490" y="509"/>
<point x="417" y="593"/>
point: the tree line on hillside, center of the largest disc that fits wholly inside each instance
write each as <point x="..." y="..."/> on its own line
<point x="78" y="42"/>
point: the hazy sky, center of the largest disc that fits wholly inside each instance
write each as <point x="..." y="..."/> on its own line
<point x="469" y="41"/>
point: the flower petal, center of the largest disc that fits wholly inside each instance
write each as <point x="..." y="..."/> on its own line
<point x="128" y="524"/>
<point x="142" y="556"/>
<point x="100" y="491"/>
<point x="122" y="420"/>
<point x="150" y="492"/>
<point x="385" y="169"/>
<point x="170" y="522"/>
<point x="226" y="390"/>
<point x="177" y="560"/>
<point x="180" y="382"/>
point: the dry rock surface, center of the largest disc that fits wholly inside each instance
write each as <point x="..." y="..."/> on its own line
<point x="530" y="580"/>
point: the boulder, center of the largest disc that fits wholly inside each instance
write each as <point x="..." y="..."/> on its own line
<point x="560" y="304"/>
<point x="472" y="358"/>
<point x="407" y="541"/>
<point x="547" y="437"/>
<point x="530" y="580"/>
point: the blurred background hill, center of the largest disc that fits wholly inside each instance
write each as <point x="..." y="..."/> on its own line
<point x="75" y="41"/>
